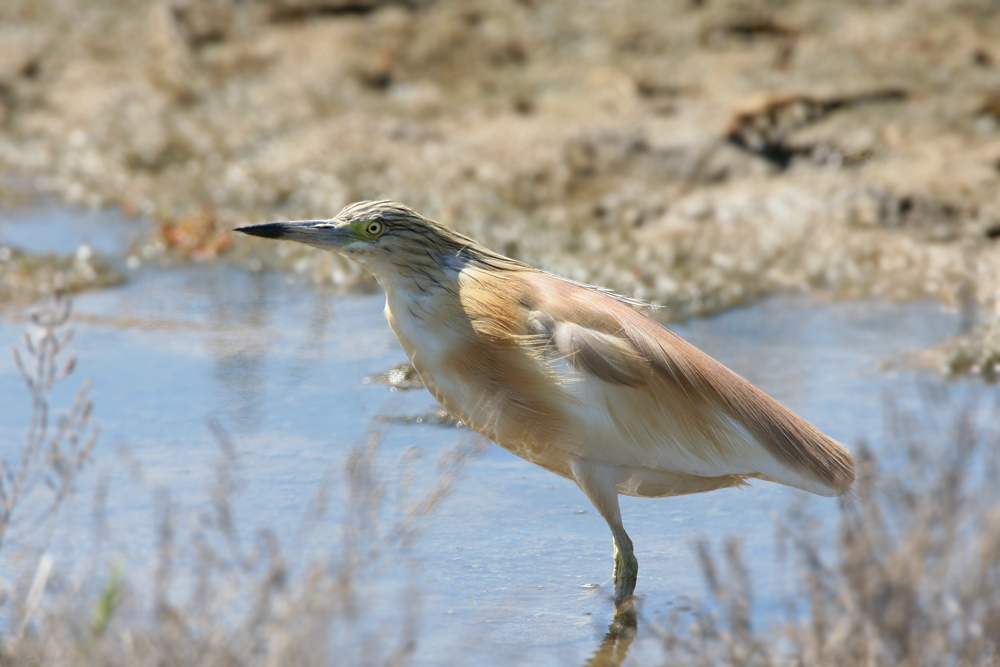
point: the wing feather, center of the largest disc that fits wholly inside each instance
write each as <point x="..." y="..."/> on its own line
<point x="719" y="415"/>
<point x="609" y="358"/>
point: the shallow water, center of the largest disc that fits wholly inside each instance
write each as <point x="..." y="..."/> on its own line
<point x="504" y="568"/>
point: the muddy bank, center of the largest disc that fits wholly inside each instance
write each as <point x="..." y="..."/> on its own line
<point x="697" y="154"/>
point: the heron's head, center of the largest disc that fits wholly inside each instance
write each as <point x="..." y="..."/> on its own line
<point x="381" y="235"/>
<point x="390" y="240"/>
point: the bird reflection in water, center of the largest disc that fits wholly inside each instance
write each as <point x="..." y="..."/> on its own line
<point x="614" y="647"/>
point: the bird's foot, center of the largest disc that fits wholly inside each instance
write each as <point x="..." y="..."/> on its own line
<point x="626" y="571"/>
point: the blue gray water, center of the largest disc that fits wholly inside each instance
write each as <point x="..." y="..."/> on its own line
<point x="505" y="567"/>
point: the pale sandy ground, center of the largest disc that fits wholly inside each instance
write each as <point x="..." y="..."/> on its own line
<point x="694" y="154"/>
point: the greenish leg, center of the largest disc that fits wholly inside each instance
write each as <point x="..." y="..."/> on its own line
<point x="626" y="569"/>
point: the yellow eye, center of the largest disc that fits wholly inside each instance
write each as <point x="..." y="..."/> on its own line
<point x="374" y="228"/>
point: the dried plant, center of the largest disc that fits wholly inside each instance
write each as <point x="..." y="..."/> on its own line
<point x="914" y="575"/>
<point x="218" y="598"/>
<point x="53" y="453"/>
<point x="220" y="592"/>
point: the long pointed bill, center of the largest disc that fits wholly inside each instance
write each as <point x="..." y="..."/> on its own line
<point x="320" y="233"/>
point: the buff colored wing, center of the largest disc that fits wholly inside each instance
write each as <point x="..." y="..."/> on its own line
<point x="672" y="408"/>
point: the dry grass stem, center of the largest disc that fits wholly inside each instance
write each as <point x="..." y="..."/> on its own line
<point x="913" y="577"/>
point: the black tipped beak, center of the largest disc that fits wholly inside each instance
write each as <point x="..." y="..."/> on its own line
<point x="276" y="230"/>
<point x="320" y="233"/>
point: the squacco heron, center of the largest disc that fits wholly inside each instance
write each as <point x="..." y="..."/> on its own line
<point x="568" y="376"/>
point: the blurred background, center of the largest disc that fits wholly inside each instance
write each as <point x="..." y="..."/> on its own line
<point x="695" y="154"/>
<point x="810" y="189"/>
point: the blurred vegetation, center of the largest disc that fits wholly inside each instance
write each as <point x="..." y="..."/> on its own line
<point x="26" y="277"/>
<point x="915" y="575"/>
<point x="218" y="595"/>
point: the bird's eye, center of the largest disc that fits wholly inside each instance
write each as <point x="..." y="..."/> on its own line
<point x="374" y="228"/>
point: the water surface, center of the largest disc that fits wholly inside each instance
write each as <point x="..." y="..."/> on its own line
<point x="505" y="569"/>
